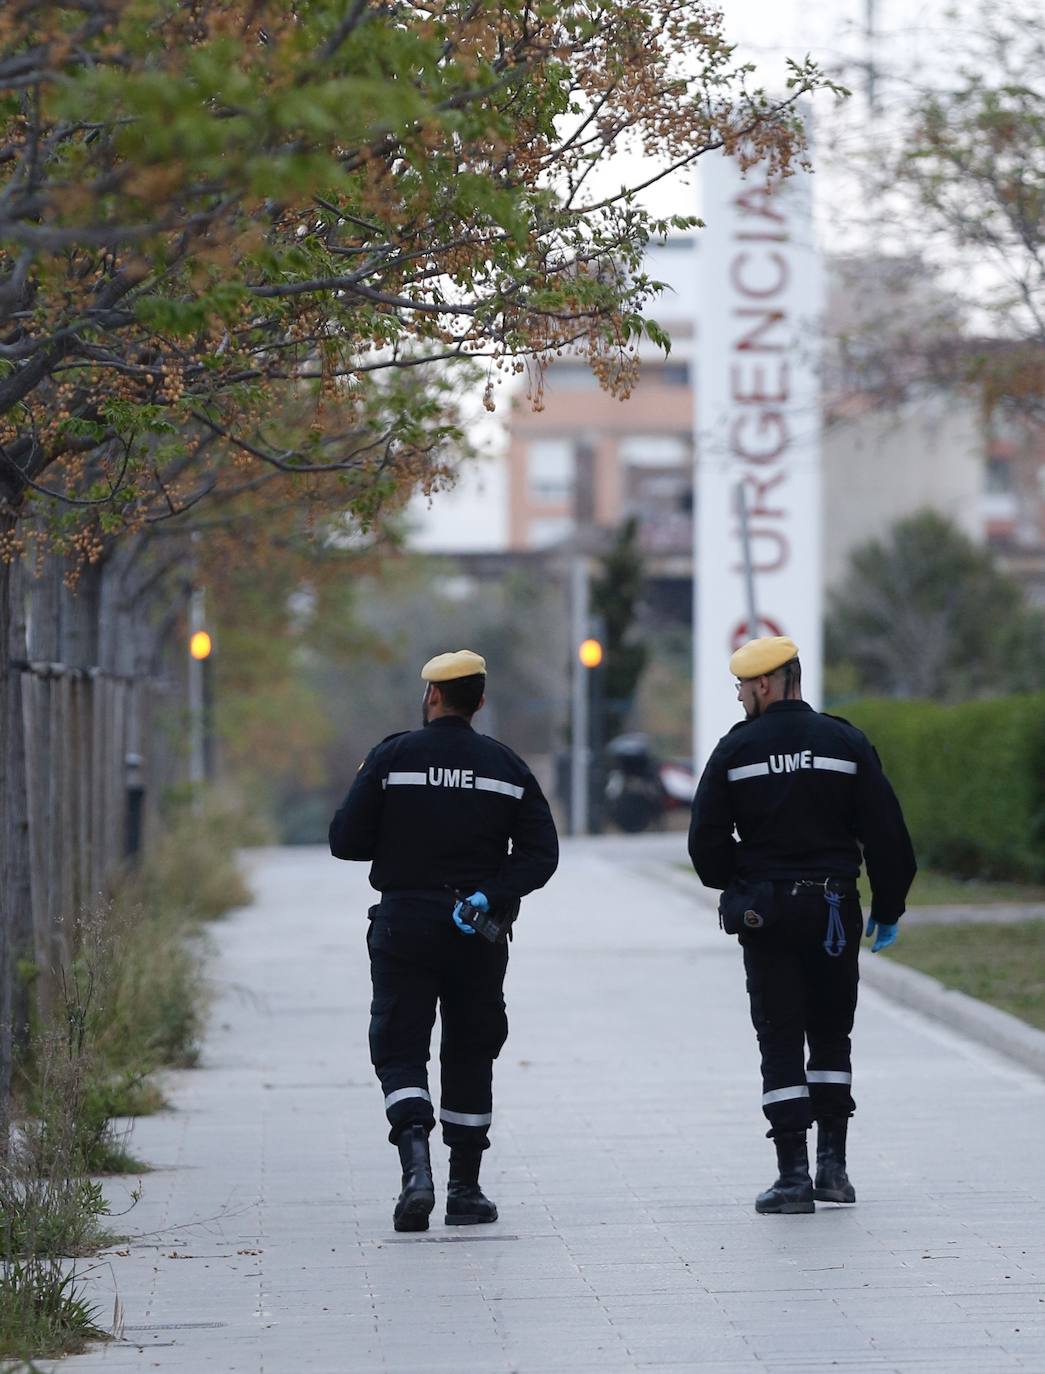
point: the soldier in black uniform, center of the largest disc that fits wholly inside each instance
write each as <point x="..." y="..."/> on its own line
<point x="804" y="792"/>
<point x="443" y="812"/>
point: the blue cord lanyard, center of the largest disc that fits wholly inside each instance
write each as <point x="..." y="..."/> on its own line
<point x="834" y="942"/>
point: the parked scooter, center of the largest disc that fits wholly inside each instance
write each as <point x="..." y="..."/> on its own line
<point x="639" y="787"/>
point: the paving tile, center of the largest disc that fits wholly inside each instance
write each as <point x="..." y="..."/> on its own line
<point x="628" y="1147"/>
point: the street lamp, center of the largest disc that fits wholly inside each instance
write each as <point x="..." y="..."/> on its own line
<point x="200" y="645"/>
<point x="590" y="653"/>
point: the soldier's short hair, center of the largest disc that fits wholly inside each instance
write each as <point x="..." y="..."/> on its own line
<point x="791" y="672"/>
<point x="463" y="694"/>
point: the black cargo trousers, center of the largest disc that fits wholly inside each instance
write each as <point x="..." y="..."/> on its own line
<point x="804" y="999"/>
<point x="420" y="960"/>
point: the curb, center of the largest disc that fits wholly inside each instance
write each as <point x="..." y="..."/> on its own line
<point x="976" y="1020"/>
<point x="998" y="1030"/>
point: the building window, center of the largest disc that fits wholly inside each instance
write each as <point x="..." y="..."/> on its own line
<point x="655" y="451"/>
<point x="664" y="374"/>
<point x="999" y="476"/>
<point x="550" y="467"/>
<point x="569" y="376"/>
<point x="550" y="530"/>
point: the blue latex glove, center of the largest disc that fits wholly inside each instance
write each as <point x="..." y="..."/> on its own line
<point x="887" y="933"/>
<point x="478" y="899"/>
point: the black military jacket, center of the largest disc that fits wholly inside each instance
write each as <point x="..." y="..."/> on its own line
<point x="445" y="807"/>
<point x="804" y="792"/>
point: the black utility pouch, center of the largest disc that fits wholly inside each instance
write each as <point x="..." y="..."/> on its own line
<point x="746" y="906"/>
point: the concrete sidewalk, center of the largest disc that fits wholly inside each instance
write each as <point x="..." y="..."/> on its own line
<point x="628" y="1147"/>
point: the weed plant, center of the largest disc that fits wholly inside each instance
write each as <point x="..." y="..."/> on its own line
<point x="192" y="869"/>
<point x="50" y="1211"/>
<point x="41" y="1311"/>
<point x="132" y="1002"/>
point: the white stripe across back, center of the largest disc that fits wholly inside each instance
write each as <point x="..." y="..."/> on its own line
<point x="830" y="765"/>
<point x="508" y="789"/>
<point x="749" y="770"/>
<point x="407" y="780"/>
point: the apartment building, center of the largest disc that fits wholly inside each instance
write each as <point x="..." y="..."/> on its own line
<point x="893" y="440"/>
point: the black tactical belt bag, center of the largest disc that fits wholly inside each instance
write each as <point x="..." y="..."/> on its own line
<point x="747" y="905"/>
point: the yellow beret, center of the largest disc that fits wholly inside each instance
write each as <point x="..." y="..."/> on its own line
<point x="760" y="656"/>
<point x="445" y="667"/>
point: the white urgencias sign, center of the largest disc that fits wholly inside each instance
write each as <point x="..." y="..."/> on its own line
<point x="757" y="422"/>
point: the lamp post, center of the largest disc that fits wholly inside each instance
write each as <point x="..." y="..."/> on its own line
<point x="579" y="700"/>
<point x="592" y="656"/>
<point x="200" y="646"/>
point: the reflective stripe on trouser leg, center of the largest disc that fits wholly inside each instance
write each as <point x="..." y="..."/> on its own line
<point x="476" y="1119"/>
<point x="468" y="1129"/>
<point x="410" y="1105"/>
<point x="831" y="1091"/>
<point x="769" y="1099"/>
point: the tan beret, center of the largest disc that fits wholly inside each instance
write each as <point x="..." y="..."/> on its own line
<point x="760" y="656"/>
<point x="445" y="667"/>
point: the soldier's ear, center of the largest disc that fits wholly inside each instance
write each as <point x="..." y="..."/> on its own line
<point x="482" y="702"/>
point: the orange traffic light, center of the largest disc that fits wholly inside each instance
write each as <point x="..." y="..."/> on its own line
<point x="200" y="645"/>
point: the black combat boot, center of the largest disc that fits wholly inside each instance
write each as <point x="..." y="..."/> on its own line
<point x="832" y="1182"/>
<point x="418" y="1196"/>
<point x="466" y="1204"/>
<point x="793" y="1190"/>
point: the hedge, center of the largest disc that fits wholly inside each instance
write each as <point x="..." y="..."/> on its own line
<point x="971" y="779"/>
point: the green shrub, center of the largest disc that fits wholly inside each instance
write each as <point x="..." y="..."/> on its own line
<point x="971" y="778"/>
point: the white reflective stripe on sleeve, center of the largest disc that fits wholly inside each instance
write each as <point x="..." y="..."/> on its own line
<point x="750" y="770"/>
<point x="407" y="779"/>
<point x="496" y="785"/>
<point x="828" y="1076"/>
<point x="401" y="1094"/>
<point x="830" y="765"/>
<point x="465" y="1118"/>
<point x="784" y="1094"/>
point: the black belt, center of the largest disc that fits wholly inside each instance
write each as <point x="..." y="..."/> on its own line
<point x="846" y="886"/>
<point x="419" y="894"/>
